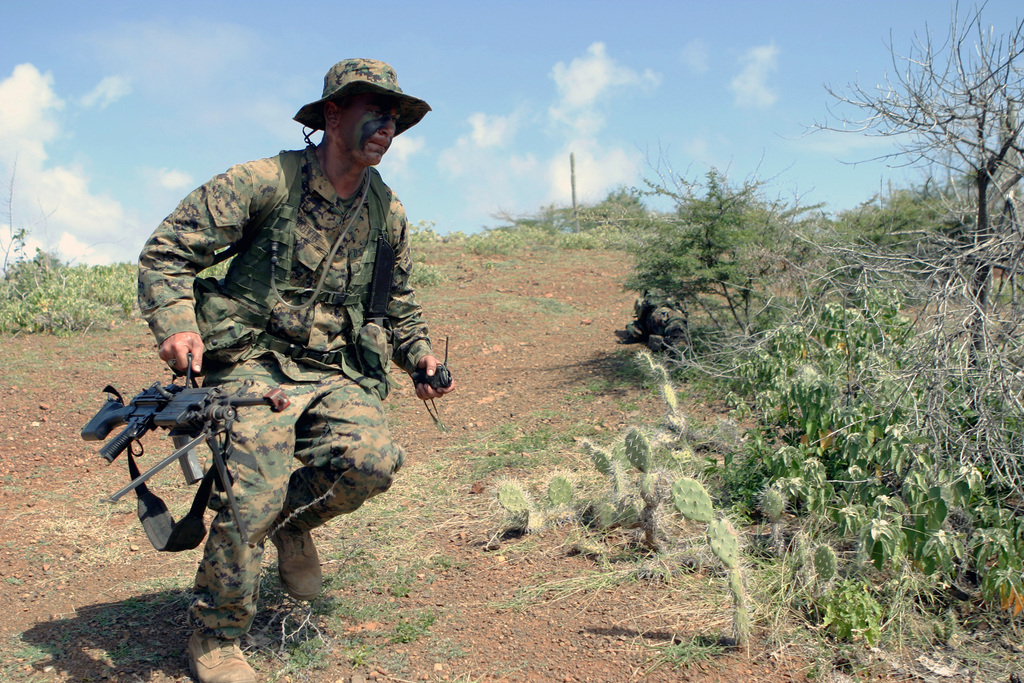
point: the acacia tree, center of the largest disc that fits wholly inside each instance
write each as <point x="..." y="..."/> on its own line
<point x="951" y="107"/>
<point x="721" y="253"/>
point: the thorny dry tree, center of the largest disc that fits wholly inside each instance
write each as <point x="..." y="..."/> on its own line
<point x="952" y="108"/>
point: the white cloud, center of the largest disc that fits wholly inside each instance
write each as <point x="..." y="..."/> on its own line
<point x="490" y="179"/>
<point x="750" y="87"/>
<point x="171" y="179"/>
<point x="494" y="180"/>
<point x="402" y="149"/>
<point x="493" y="131"/>
<point x="597" y="172"/>
<point x="106" y="92"/>
<point x="695" y="55"/>
<point x="52" y="203"/>
<point x="487" y="135"/>
<point x="27" y="101"/>
<point x="585" y="80"/>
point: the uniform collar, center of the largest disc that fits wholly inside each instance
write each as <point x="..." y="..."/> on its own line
<point x="318" y="180"/>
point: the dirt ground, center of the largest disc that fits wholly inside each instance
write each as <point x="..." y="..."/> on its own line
<point x="420" y="586"/>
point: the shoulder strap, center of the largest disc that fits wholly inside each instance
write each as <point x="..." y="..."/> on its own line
<point x="163" y="532"/>
<point x="291" y="170"/>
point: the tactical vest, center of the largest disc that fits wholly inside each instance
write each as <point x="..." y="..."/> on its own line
<point x="233" y="313"/>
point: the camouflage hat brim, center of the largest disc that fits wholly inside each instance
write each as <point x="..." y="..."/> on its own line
<point x="355" y="76"/>
<point x="411" y="109"/>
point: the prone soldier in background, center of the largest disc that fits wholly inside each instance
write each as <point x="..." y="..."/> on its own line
<point x="661" y="322"/>
<point x="316" y="301"/>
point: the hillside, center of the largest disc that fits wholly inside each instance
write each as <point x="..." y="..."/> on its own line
<point x="421" y="585"/>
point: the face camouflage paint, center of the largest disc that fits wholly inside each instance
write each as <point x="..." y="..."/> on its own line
<point x="376" y="118"/>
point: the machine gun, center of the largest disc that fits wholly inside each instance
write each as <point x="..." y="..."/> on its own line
<point x="192" y="414"/>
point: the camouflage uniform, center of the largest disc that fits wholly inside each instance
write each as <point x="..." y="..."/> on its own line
<point x="335" y="425"/>
<point x="661" y="322"/>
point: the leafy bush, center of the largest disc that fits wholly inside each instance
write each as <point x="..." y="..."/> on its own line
<point x="849" y="612"/>
<point x="43" y="295"/>
<point x="722" y="253"/>
<point x="844" y="439"/>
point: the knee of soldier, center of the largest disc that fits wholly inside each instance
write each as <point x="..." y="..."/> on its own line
<point x="371" y="468"/>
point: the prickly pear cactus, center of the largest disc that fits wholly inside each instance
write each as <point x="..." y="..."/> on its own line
<point x="773" y="504"/>
<point x="638" y="450"/>
<point x="736" y="584"/>
<point x="512" y="497"/>
<point x="626" y="513"/>
<point x="514" y="500"/>
<point x="649" y="488"/>
<point x="740" y="615"/>
<point x="692" y="500"/>
<point x="622" y="486"/>
<point x="537" y="519"/>
<point x="668" y="393"/>
<point x="559" y="491"/>
<point x="802" y="555"/>
<point x="684" y="454"/>
<point x="825" y="563"/>
<point x="601" y="458"/>
<point x="724" y="542"/>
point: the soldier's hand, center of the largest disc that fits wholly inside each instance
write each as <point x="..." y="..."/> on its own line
<point x="425" y="392"/>
<point x="175" y="350"/>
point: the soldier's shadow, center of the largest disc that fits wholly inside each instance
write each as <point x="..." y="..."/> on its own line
<point x="128" y="640"/>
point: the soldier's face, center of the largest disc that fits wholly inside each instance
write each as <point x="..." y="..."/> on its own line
<point x="365" y="126"/>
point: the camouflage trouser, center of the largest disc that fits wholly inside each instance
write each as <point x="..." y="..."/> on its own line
<point x="338" y="432"/>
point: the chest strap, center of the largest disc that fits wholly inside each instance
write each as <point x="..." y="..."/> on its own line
<point x="297" y="351"/>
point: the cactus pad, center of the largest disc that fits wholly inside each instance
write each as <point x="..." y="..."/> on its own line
<point x="692" y="500"/>
<point x="512" y="497"/>
<point x="773" y="504"/>
<point x="736" y="586"/>
<point x="669" y="394"/>
<point x="638" y="450"/>
<point x="559" y="491"/>
<point x="649" y="486"/>
<point x="825" y="563"/>
<point x="601" y="458"/>
<point x="625" y="514"/>
<point x="724" y="542"/>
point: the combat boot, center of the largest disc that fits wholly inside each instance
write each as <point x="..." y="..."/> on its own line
<point x="297" y="563"/>
<point x="217" y="660"/>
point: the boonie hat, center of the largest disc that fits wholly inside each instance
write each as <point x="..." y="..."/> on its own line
<point x="354" y="76"/>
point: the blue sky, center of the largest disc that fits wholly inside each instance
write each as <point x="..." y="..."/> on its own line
<point x="111" y="112"/>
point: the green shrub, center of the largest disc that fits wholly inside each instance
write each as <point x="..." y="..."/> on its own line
<point x="842" y="439"/>
<point x="722" y="253"/>
<point x="425" y="275"/>
<point x="43" y="295"/>
<point x="849" y="612"/>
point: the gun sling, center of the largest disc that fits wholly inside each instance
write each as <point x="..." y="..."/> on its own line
<point x="187" y="533"/>
<point x="163" y="532"/>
